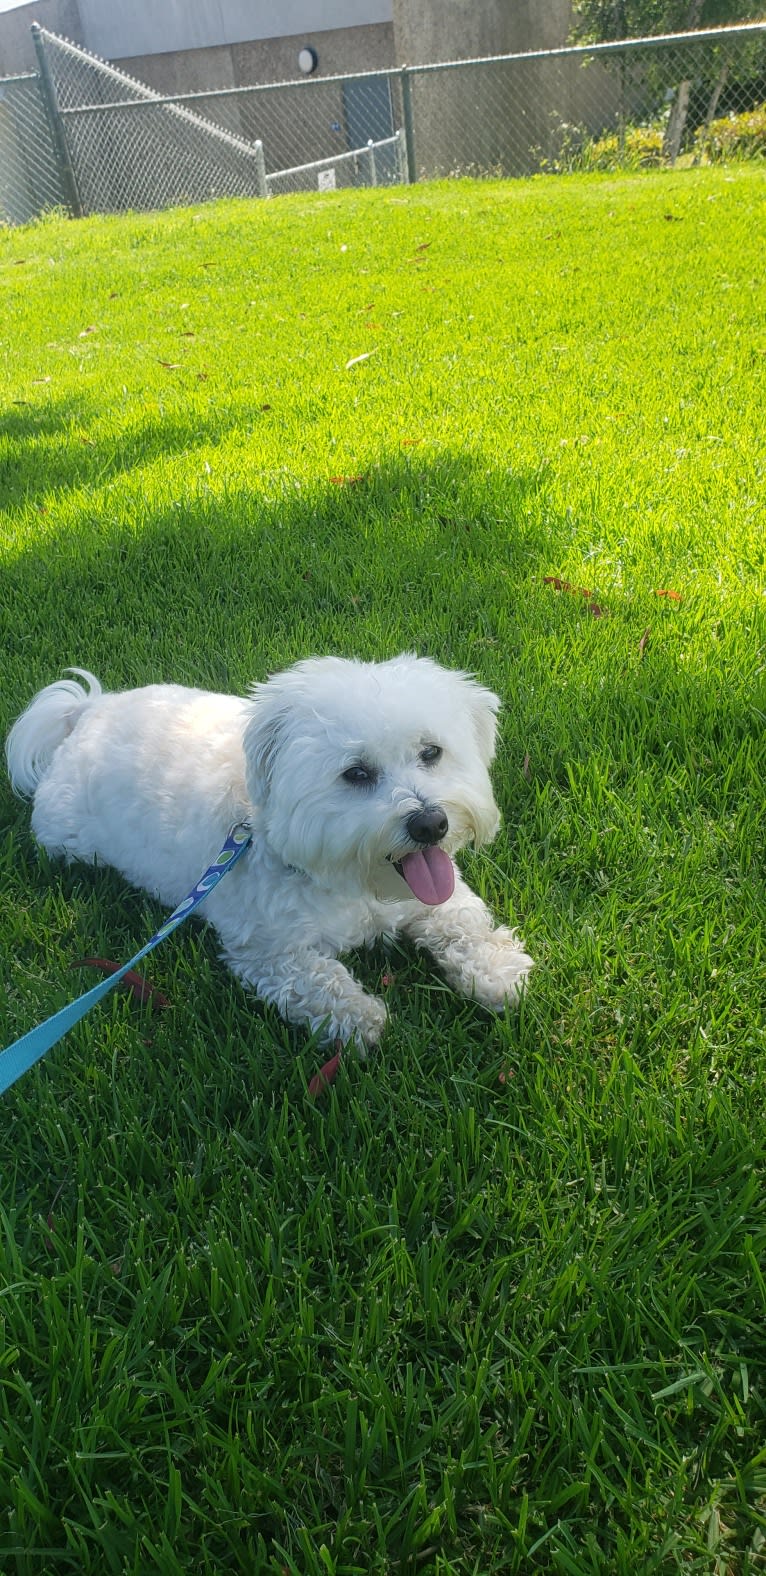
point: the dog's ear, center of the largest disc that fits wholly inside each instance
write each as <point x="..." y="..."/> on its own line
<point x="484" y="707"/>
<point x="262" y="740"/>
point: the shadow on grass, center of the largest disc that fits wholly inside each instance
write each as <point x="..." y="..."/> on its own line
<point x="225" y="585"/>
<point x="50" y="450"/>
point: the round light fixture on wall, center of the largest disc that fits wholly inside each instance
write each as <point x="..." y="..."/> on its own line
<point x="308" y="60"/>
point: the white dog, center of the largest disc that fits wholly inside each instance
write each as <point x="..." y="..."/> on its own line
<point x="360" y="781"/>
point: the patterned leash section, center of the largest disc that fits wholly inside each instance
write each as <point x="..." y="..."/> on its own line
<point x="23" y="1054"/>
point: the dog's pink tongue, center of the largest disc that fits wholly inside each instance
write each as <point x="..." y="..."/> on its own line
<point x="430" y="874"/>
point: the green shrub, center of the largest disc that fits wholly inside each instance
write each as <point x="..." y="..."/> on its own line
<point x="639" y="149"/>
<point x="735" y="136"/>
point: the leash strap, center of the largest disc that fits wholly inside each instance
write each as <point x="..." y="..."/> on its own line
<point x="23" y="1054"/>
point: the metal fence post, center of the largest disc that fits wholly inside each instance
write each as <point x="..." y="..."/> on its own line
<point x="260" y="170"/>
<point x="373" y="164"/>
<point x="56" y="123"/>
<point x="622" y="114"/>
<point x="409" y="126"/>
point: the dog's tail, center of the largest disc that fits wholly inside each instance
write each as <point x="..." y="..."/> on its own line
<point x="35" y="737"/>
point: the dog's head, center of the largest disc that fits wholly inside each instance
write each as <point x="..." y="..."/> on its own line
<point x="368" y="776"/>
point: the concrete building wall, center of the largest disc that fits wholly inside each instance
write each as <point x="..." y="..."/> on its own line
<point x="17" y="53"/>
<point x="428" y="30"/>
<point x="339" y="52"/>
<point x="510" y="118"/>
<point x="289" y="124"/>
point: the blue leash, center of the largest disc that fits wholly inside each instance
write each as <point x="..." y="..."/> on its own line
<point x="23" y="1054"/>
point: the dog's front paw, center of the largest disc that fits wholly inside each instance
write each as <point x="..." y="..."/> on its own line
<point x="365" y="1024"/>
<point x="501" y="971"/>
<point x="492" y="969"/>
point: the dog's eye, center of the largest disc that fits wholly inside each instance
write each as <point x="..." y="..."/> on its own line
<point x="430" y="754"/>
<point x="360" y="776"/>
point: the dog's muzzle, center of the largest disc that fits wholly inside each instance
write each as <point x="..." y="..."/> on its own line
<point x="426" y="873"/>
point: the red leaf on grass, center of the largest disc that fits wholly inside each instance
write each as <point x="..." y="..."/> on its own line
<point x="139" y="988"/>
<point x="566" y="585"/>
<point x="325" y="1076"/>
<point x="346" y="481"/>
<point x="673" y="596"/>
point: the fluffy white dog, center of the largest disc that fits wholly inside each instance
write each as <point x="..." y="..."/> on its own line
<point x="360" y="782"/>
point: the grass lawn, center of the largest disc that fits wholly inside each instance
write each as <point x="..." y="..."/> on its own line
<point x="497" y="1303"/>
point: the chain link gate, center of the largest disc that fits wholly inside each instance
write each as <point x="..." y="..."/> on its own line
<point x="83" y="134"/>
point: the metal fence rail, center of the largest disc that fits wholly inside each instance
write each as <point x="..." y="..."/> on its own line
<point x="344" y="169"/>
<point x="83" y="134"/>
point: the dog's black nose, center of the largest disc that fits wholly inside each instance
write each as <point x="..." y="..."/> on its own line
<point x="428" y="825"/>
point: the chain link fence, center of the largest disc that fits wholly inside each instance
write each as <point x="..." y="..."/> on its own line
<point x="81" y="133"/>
<point x="684" y="99"/>
<point x="30" y="182"/>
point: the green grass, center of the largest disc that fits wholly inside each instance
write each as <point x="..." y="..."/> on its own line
<point x="498" y="1303"/>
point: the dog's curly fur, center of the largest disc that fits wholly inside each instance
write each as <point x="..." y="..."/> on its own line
<point x="360" y="782"/>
